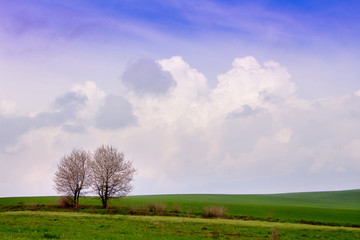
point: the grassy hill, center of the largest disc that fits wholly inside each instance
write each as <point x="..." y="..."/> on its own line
<point x="329" y="208"/>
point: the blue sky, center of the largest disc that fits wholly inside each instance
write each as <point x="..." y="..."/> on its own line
<point x="203" y="96"/>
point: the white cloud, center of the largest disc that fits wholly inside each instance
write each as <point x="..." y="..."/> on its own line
<point x="250" y="128"/>
<point x="249" y="83"/>
<point x="95" y="96"/>
<point x="8" y="107"/>
<point x="271" y="132"/>
<point x="283" y="135"/>
<point x="191" y="84"/>
<point x="188" y="130"/>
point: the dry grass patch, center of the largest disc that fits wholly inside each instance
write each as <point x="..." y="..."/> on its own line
<point x="65" y="202"/>
<point x="157" y="208"/>
<point x="214" y="212"/>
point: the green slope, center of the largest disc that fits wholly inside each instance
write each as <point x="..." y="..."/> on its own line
<point x="332" y="208"/>
<point x="337" y="199"/>
<point x="340" y="207"/>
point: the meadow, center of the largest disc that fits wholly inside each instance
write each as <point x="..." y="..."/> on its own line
<point x="318" y="215"/>
<point x="60" y="225"/>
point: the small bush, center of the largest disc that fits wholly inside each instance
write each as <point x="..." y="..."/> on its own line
<point x="65" y="202"/>
<point x="157" y="208"/>
<point x="132" y="210"/>
<point x="144" y="210"/>
<point x="34" y="207"/>
<point x="161" y="208"/>
<point x="188" y="213"/>
<point x="176" y="208"/>
<point x="152" y="207"/>
<point x="214" y="212"/>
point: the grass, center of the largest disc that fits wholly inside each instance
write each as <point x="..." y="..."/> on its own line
<point x="340" y="208"/>
<point x="319" y="215"/>
<point x="74" y="225"/>
<point x="334" y="208"/>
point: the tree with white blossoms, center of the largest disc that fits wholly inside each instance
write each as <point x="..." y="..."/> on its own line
<point x="72" y="175"/>
<point x="111" y="174"/>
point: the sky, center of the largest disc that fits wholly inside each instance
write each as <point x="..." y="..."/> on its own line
<point x="208" y="96"/>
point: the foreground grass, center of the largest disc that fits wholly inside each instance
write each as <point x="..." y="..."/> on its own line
<point x="71" y="225"/>
<point x="340" y="208"/>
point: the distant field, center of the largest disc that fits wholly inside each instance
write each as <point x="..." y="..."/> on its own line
<point x="74" y="225"/>
<point x="327" y="208"/>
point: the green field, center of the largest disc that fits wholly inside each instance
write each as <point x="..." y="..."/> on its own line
<point x="318" y="215"/>
<point x="58" y="225"/>
<point x="328" y="208"/>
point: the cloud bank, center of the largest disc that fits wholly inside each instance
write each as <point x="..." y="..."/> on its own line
<point x="250" y="133"/>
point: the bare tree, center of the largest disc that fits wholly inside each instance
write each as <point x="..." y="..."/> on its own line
<point x="71" y="176"/>
<point x="111" y="174"/>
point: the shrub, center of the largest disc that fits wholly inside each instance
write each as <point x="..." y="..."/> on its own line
<point x="132" y="210"/>
<point x="144" y="210"/>
<point x="65" y="202"/>
<point x="188" y="213"/>
<point x="157" y="208"/>
<point x="214" y="212"/>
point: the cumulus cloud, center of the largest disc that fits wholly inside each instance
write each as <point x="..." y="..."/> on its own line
<point x="95" y="98"/>
<point x="240" y="135"/>
<point x="115" y="114"/>
<point x="7" y="107"/>
<point x="252" y="123"/>
<point x="64" y="108"/>
<point x="70" y="101"/>
<point x="248" y="81"/>
<point x="74" y="128"/>
<point x="190" y="83"/>
<point x="71" y="109"/>
<point x="250" y="133"/>
<point x="145" y="76"/>
<point x="284" y="135"/>
<point x="244" y="111"/>
<point x="12" y="127"/>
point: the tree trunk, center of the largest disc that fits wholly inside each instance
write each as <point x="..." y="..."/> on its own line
<point x="104" y="202"/>
<point x="77" y="200"/>
<point x="74" y="203"/>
